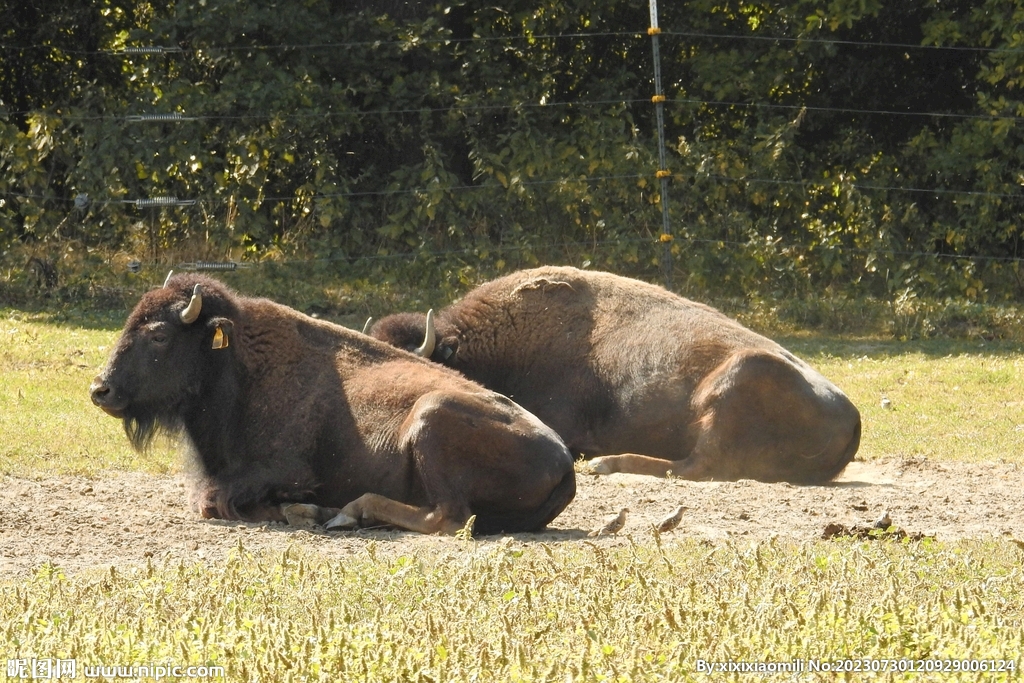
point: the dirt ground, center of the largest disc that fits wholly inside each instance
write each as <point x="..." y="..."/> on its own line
<point x="123" y="518"/>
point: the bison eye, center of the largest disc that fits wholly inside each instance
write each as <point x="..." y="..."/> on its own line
<point x="159" y="338"/>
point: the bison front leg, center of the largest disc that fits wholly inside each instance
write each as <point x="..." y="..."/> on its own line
<point x="215" y="502"/>
<point x="307" y="514"/>
<point x="371" y="508"/>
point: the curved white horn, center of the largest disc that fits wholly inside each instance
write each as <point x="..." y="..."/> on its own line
<point x="195" y="304"/>
<point x="366" y="327"/>
<point x="429" y="338"/>
<point x="168" y="278"/>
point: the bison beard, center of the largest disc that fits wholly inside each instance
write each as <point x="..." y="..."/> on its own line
<point x="642" y="380"/>
<point x="142" y="429"/>
<point x="279" y="408"/>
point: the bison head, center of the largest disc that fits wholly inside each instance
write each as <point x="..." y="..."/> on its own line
<point x="167" y="353"/>
<point x="417" y="334"/>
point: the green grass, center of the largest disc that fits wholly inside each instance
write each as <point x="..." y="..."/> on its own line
<point x="505" y="611"/>
<point x="950" y="400"/>
<point x="48" y="421"/>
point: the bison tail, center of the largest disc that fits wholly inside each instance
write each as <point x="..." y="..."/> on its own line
<point x="535" y="520"/>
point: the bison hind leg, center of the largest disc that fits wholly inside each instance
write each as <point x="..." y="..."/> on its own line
<point x="769" y="417"/>
<point x="480" y="453"/>
<point x="633" y="463"/>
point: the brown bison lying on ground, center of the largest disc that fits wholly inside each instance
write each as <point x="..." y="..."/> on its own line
<point x="283" y="410"/>
<point x="653" y="382"/>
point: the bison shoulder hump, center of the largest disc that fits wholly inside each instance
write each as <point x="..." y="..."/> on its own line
<point x="544" y="286"/>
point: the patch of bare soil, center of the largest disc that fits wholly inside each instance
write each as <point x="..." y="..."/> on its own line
<point x="124" y="518"/>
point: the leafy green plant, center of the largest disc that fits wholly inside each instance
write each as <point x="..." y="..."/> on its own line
<point x="853" y="147"/>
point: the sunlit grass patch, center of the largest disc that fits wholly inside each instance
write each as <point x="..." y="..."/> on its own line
<point x="47" y="421"/>
<point x="944" y="400"/>
<point x="505" y="611"/>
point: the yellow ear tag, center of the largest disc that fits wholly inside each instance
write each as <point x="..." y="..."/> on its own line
<point x="219" y="340"/>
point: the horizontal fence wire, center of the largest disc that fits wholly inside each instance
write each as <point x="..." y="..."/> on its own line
<point x="495" y="186"/>
<point x="361" y="114"/>
<point x="588" y="248"/>
<point x="639" y="35"/>
<point x="175" y="117"/>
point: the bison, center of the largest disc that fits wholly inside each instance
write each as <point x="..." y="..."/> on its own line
<point x="646" y="380"/>
<point x="283" y="411"/>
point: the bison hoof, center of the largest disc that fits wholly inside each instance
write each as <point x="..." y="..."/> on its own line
<point x="300" y="514"/>
<point x="600" y="466"/>
<point x="341" y="521"/>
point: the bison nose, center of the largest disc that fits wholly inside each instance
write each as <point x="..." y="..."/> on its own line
<point x="99" y="391"/>
<point x="107" y="399"/>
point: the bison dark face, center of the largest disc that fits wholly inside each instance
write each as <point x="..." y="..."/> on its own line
<point x="164" y="358"/>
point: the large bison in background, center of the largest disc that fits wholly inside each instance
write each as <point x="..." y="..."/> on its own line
<point x="284" y="411"/>
<point x="653" y="382"/>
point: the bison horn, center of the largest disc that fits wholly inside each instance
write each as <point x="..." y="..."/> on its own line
<point x="195" y="304"/>
<point x="168" y="278"/>
<point x="429" y="338"/>
<point x="366" y="327"/>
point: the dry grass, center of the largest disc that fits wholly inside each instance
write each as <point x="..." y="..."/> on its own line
<point x="504" y="611"/>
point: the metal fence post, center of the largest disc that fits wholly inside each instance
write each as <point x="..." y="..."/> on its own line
<point x="663" y="173"/>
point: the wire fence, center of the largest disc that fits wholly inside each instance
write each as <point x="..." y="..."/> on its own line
<point x="298" y="116"/>
<point x="639" y="35"/>
<point x="212" y="202"/>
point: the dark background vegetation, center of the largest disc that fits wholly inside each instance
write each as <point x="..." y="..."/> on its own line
<point x="825" y="154"/>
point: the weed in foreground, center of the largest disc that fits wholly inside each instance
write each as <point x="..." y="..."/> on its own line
<point x="507" y="611"/>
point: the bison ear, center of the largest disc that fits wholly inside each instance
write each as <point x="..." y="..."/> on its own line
<point x="446" y="350"/>
<point x="222" y="332"/>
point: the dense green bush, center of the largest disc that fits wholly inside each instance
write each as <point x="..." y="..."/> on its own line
<point x="817" y="148"/>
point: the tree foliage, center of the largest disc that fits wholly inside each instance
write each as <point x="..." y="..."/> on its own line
<point x="847" y="146"/>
